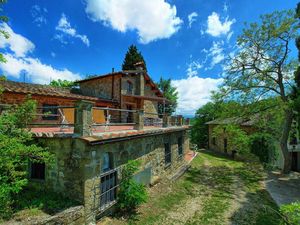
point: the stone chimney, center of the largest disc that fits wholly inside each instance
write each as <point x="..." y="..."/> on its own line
<point x="140" y="80"/>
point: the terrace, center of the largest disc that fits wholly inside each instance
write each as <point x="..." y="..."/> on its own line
<point x="85" y="120"/>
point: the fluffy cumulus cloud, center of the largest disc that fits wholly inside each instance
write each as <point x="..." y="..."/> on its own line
<point x="155" y="19"/>
<point x="194" y="92"/>
<point x="18" y="44"/>
<point x="65" y="28"/>
<point x="17" y="53"/>
<point x="216" y="27"/>
<point x="192" y="18"/>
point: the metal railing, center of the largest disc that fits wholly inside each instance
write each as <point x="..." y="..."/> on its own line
<point x="102" y="119"/>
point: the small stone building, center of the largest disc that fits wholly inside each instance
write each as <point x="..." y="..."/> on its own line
<point x="220" y="143"/>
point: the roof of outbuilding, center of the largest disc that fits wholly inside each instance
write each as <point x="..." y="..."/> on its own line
<point x="45" y="90"/>
<point x="234" y="120"/>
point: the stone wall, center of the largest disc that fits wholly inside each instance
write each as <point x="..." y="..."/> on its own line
<point x="78" y="165"/>
<point x="71" y="216"/>
<point x="219" y="140"/>
<point x="102" y="87"/>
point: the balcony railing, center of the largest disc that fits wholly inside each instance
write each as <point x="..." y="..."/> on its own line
<point x="85" y="120"/>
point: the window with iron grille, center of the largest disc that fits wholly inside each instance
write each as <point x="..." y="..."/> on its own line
<point x="168" y="154"/>
<point x="50" y="112"/>
<point x="180" y="147"/>
<point x="37" y="171"/>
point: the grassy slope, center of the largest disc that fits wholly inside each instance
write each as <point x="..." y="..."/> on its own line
<point x="215" y="190"/>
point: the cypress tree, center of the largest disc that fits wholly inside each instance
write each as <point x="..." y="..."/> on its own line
<point x="132" y="56"/>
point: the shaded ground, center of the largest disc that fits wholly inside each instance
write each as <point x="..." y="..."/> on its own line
<point x="215" y="190"/>
<point x="284" y="189"/>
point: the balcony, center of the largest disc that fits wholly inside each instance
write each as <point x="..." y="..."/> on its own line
<point x="84" y="120"/>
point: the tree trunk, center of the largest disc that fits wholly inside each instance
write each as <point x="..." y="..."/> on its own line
<point x="284" y="140"/>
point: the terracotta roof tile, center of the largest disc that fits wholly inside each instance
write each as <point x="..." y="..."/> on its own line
<point x="38" y="89"/>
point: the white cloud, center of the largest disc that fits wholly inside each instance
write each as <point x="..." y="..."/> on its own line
<point x="215" y="27"/>
<point x="192" y="18"/>
<point x="229" y="36"/>
<point x="65" y="27"/>
<point x="34" y="69"/>
<point x="19" y="62"/>
<point x="225" y="7"/>
<point x="193" y="68"/>
<point x="38" y="15"/>
<point x="216" y="52"/>
<point x="194" y="92"/>
<point x="18" y="44"/>
<point x="153" y="20"/>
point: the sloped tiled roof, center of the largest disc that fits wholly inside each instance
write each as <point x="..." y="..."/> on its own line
<point x="235" y="120"/>
<point x="45" y="90"/>
<point x="124" y="73"/>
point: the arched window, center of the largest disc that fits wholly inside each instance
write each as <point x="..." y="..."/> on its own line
<point x="107" y="163"/>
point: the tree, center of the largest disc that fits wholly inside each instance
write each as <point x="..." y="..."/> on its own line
<point x="262" y="68"/>
<point x="170" y="93"/>
<point x="132" y="56"/>
<point x="3" y="19"/>
<point x="17" y="148"/>
<point x="199" y="134"/>
<point x="62" y="83"/>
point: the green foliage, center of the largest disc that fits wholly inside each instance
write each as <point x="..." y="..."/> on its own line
<point x="292" y="212"/>
<point x="62" y="83"/>
<point x="3" y="19"/>
<point x="262" y="145"/>
<point x="199" y="134"/>
<point x="131" y="194"/>
<point x="170" y="93"/>
<point x="39" y="197"/>
<point x="132" y="56"/>
<point x="16" y="149"/>
<point x="238" y="139"/>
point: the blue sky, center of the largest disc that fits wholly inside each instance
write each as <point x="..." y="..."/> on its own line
<point x="185" y="40"/>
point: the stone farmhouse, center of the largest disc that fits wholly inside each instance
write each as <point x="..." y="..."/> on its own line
<point x="220" y="143"/>
<point x="95" y="129"/>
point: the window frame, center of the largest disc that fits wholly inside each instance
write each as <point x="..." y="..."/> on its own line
<point x="180" y="146"/>
<point x="168" y="154"/>
<point x="129" y="87"/>
<point x="32" y="165"/>
<point x="52" y="111"/>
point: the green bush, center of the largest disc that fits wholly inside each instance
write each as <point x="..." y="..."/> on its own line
<point x="16" y="149"/>
<point x="292" y="212"/>
<point x="131" y="194"/>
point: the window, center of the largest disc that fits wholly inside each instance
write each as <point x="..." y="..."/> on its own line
<point x="180" y="147"/>
<point x="107" y="162"/>
<point x="37" y="171"/>
<point x="129" y="87"/>
<point x="214" y="141"/>
<point x="168" y="154"/>
<point x="225" y="145"/>
<point x="50" y="112"/>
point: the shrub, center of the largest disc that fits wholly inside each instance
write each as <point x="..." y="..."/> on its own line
<point x="292" y="212"/>
<point x="131" y="194"/>
<point x="16" y="149"/>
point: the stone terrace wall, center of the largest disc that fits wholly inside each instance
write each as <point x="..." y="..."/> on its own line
<point x="77" y="169"/>
<point x="149" y="150"/>
<point x="71" y="216"/>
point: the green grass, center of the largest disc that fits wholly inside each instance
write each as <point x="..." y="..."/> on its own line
<point x="214" y="180"/>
